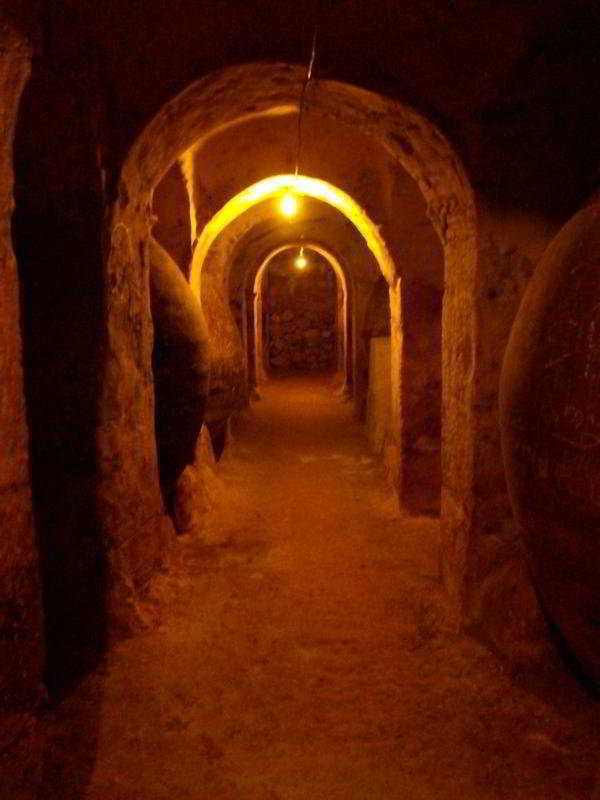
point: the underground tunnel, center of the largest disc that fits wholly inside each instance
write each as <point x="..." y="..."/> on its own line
<point x="298" y="406"/>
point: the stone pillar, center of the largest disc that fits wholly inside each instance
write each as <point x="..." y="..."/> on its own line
<point x="393" y="451"/>
<point x="227" y="380"/>
<point x="483" y="561"/>
<point x="378" y="404"/>
<point x="249" y="323"/>
<point x="459" y="334"/>
<point x="360" y="355"/>
<point x="259" y="336"/>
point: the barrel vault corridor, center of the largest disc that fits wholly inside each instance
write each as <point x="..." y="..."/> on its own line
<point x="299" y="408"/>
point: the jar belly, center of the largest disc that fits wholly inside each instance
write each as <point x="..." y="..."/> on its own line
<point x="550" y="419"/>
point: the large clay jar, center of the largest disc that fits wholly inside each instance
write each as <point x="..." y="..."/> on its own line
<point x="550" y="416"/>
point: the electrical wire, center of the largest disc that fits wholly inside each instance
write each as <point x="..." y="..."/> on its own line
<point x="302" y="96"/>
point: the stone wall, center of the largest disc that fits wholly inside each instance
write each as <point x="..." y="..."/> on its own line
<point x="21" y="634"/>
<point x="57" y="231"/>
<point x="422" y="397"/>
<point x="227" y="385"/>
<point x="300" y="315"/>
<point x="87" y="344"/>
<point x="500" y="604"/>
<point x="378" y="396"/>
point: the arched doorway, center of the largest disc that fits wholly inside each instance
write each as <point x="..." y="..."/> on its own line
<point x="268" y="93"/>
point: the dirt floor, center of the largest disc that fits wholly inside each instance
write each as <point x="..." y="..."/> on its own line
<point x="300" y="655"/>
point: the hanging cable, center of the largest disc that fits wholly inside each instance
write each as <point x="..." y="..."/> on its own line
<point x="302" y="96"/>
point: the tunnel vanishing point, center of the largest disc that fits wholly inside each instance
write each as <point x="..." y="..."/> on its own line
<point x="184" y="218"/>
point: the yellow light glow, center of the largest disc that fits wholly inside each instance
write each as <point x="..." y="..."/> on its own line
<point x="300" y="185"/>
<point x="288" y="205"/>
<point x="301" y="261"/>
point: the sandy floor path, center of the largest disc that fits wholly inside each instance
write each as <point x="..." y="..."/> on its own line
<point x="300" y="658"/>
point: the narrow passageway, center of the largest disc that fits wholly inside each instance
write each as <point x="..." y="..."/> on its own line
<point x="301" y="654"/>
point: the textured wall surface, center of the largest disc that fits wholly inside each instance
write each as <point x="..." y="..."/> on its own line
<point x="171" y="208"/>
<point x="378" y="398"/>
<point x="19" y="599"/>
<point x="422" y="396"/>
<point x="21" y="631"/>
<point x="300" y="309"/>
<point x="550" y="426"/>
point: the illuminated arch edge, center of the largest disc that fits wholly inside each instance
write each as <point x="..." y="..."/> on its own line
<point x="329" y="257"/>
<point x="302" y="185"/>
<point x="257" y="286"/>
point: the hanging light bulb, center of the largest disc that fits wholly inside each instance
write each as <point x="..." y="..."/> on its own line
<point x="301" y="261"/>
<point x="288" y="204"/>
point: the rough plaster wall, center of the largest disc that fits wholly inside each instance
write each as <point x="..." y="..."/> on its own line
<point x="132" y="513"/>
<point x="378" y="398"/>
<point x="363" y="292"/>
<point x="377" y="315"/>
<point x="422" y="396"/>
<point x="171" y="207"/>
<point x="375" y="321"/>
<point x="422" y="367"/>
<point x="458" y="412"/>
<point x="500" y="605"/>
<point x="20" y="613"/>
<point x="227" y="385"/>
<point x="57" y="229"/>
<point x="87" y="344"/>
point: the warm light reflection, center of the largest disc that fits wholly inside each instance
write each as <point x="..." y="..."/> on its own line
<point x="288" y="204"/>
<point x="279" y="186"/>
<point x="301" y="261"/>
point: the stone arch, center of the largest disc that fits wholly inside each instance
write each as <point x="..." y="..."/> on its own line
<point x="256" y="277"/>
<point x="245" y="235"/>
<point x="220" y="100"/>
<point x="213" y="266"/>
<point x="304" y="186"/>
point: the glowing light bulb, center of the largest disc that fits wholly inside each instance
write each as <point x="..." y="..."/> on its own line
<point x="288" y="205"/>
<point x="301" y="261"/>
